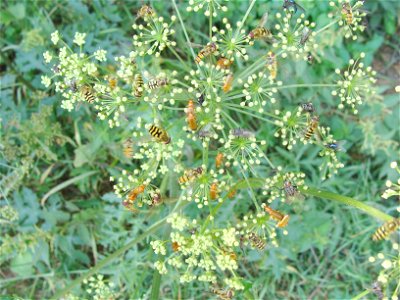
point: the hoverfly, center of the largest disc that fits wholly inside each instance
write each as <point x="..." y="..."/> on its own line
<point x="291" y="191"/>
<point x="260" y="31"/>
<point x="128" y="148"/>
<point x="145" y="11"/>
<point x="87" y="93"/>
<point x="224" y="63"/>
<point x="347" y="12"/>
<point x="377" y="290"/>
<point x="190" y="175"/>
<point x="214" y="191"/>
<point x="206" y="51"/>
<point x="256" y="241"/>
<point x="311" y="127"/>
<point x="138" y="85"/>
<point x="175" y="246"/>
<point x="223" y="294"/>
<point x="191" y="116"/>
<point x="386" y="229"/>
<point x="228" y="83"/>
<point x="159" y="134"/>
<point x="157" y="83"/>
<point x="219" y="160"/>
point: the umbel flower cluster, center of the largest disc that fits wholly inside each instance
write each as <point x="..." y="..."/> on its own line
<point x="188" y="127"/>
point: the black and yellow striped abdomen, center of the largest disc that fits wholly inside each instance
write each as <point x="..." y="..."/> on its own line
<point x="159" y="134"/>
<point x="386" y="229"/>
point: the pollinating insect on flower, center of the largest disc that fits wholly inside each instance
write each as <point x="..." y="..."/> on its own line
<point x="211" y="7"/>
<point x="350" y="17"/>
<point x="295" y="37"/>
<point x="154" y="36"/>
<point x="355" y="85"/>
<point x="284" y="186"/>
<point x="330" y="149"/>
<point x="199" y="254"/>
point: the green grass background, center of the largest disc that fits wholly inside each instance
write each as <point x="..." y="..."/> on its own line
<point x="72" y="155"/>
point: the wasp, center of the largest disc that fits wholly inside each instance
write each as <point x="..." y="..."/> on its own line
<point x="128" y="148"/>
<point x="228" y="83"/>
<point x="206" y="51"/>
<point x="336" y="146"/>
<point x="312" y="125"/>
<point x="219" y="160"/>
<point x="159" y="134"/>
<point x="307" y="107"/>
<point x="386" y="229"/>
<point x="214" y="191"/>
<point x="272" y="64"/>
<point x="157" y="83"/>
<point x="87" y="93"/>
<point x="239" y="132"/>
<point x="222" y="294"/>
<point x="287" y="4"/>
<point x="347" y="12"/>
<point x="190" y="175"/>
<point x="138" y="85"/>
<point x="282" y="219"/>
<point x="145" y="11"/>
<point x="112" y="83"/>
<point x="224" y="63"/>
<point x="191" y="116"/>
<point x="305" y="36"/>
<point x="256" y="241"/>
<point x="175" y="246"/>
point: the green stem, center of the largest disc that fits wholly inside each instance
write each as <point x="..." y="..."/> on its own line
<point x="326" y="26"/>
<point x="361" y="295"/>
<point x="155" y="289"/>
<point x="306" y="85"/>
<point x="245" y="17"/>
<point x="348" y="201"/>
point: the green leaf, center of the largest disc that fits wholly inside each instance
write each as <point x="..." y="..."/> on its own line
<point x="18" y="11"/>
<point x="390" y="24"/>
<point x="22" y="264"/>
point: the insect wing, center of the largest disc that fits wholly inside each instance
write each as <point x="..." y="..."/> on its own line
<point x="263" y="20"/>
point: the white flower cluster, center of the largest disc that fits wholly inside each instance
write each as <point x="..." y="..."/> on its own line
<point x="355" y="85"/>
<point x="158" y="247"/>
<point x="211" y="7"/>
<point x="154" y="36"/>
<point x="178" y="222"/>
<point x="393" y="188"/>
<point x="292" y="127"/>
<point x="295" y="37"/>
<point x="257" y="90"/>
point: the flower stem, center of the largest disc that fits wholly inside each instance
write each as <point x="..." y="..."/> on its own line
<point x="327" y="26"/>
<point x="348" y="201"/>
<point x="306" y="85"/>
<point x="245" y="17"/>
<point x="155" y="289"/>
<point x="361" y="295"/>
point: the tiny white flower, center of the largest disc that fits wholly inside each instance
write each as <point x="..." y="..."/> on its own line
<point x="100" y="55"/>
<point x="55" y="37"/>
<point x="79" y="38"/>
<point x="46" y="81"/>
